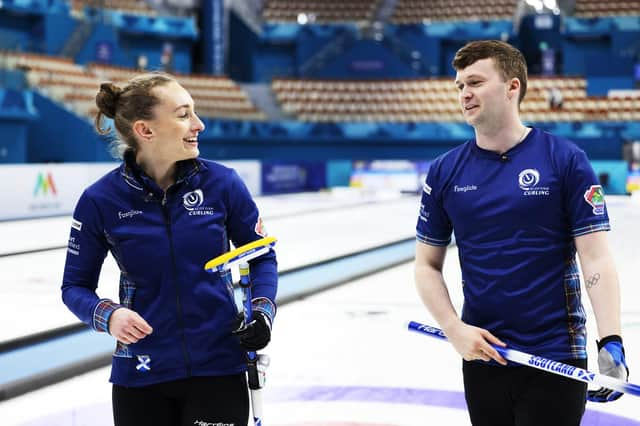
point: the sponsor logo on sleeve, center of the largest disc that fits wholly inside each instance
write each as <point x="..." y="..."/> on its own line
<point x="260" y="228"/>
<point x="76" y="224"/>
<point x="594" y="196"/>
<point x="424" y="214"/>
<point x="74" y="246"/>
<point x="426" y="188"/>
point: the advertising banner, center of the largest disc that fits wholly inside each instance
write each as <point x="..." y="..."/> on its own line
<point x="40" y="190"/>
<point x="36" y="190"/>
<point x="280" y="177"/>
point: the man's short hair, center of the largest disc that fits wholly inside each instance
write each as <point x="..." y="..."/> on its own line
<point x="508" y="60"/>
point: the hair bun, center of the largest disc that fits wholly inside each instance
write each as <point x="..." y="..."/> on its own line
<point x="107" y="99"/>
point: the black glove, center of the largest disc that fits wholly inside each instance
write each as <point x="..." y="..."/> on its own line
<point x="611" y="363"/>
<point x="255" y="335"/>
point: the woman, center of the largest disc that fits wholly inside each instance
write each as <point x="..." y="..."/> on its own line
<point x="162" y="214"/>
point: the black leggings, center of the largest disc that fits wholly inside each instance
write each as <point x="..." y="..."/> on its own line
<point x="522" y="396"/>
<point x="220" y="401"/>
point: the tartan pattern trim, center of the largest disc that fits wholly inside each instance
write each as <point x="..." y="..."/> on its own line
<point x="102" y="313"/>
<point x="127" y="291"/>
<point x="594" y="227"/>
<point x="266" y="306"/>
<point x="122" y="351"/>
<point x="576" y="316"/>
<point x="432" y="241"/>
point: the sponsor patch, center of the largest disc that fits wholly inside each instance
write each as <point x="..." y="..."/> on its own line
<point x="594" y="196"/>
<point x="76" y="224"/>
<point x="129" y="214"/>
<point x="260" y="229"/>
<point x="426" y="188"/>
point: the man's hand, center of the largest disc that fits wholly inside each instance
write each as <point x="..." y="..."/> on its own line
<point x="474" y="343"/>
<point x="611" y="362"/>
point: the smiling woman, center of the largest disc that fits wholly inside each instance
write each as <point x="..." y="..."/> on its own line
<point x="162" y="214"/>
<point x="155" y="120"/>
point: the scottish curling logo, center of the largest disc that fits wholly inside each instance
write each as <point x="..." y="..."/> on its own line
<point x="192" y="201"/>
<point x="528" y="181"/>
<point x="528" y="178"/>
<point x="594" y="196"/>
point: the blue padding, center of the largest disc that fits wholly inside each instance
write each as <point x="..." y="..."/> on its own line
<point x="35" y="6"/>
<point x="308" y="280"/>
<point x="23" y="363"/>
<point x="166" y="26"/>
<point x="17" y="104"/>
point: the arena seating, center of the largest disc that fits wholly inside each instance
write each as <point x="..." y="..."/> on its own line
<point x="417" y="11"/>
<point x="436" y="100"/>
<point x="136" y="7"/>
<point x="76" y="86"/>
<point x="597" y="8"/>
<point x="323" y="11"/>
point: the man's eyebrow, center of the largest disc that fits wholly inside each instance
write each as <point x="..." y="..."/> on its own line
<point x="468" y="77"/>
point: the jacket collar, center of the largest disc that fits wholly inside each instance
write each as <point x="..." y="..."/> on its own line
<point x="135" y="177"/>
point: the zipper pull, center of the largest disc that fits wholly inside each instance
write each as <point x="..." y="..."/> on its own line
<point x="164" y="198"/>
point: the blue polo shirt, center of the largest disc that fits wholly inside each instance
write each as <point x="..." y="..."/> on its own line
<point x="515" y="216"/>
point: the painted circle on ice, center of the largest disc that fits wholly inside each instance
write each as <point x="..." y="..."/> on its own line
<point x="429" y="397"/>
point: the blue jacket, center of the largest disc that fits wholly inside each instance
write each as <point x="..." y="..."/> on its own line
<point x="161" y="242"/>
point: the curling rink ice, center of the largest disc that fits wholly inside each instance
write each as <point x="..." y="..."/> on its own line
<point x="341" y="357"/>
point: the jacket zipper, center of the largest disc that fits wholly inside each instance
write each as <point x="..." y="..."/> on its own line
<point x="167" y="220"/>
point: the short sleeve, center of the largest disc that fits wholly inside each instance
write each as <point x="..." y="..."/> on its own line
<point x="434" y="226"/>
<point x="584" y="198"/>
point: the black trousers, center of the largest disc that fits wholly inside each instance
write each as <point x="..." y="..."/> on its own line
<point x="522" y="396"/>
<point x="221" y="401"/>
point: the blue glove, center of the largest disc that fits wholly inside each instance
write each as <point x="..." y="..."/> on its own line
<point x="611" y="362"/>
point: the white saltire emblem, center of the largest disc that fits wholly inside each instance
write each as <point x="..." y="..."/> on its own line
<point x="144" y="360"/>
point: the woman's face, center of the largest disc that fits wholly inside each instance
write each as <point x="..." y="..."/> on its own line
<point x="175" y="125"/>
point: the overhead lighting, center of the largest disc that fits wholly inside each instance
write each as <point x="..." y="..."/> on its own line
<point x="303" y="19"/>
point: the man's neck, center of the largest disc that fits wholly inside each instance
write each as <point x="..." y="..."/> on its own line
<point x="501" y="139"/>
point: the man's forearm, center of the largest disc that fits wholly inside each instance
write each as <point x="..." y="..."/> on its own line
<point x="603" y="288"/>
<point x="435" y="296"/>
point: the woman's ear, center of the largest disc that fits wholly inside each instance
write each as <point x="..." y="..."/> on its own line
<point x="142" y="131"/>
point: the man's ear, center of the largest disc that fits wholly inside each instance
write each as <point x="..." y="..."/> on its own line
<point x="514" y="88"/>
<point x="142" y="131"/>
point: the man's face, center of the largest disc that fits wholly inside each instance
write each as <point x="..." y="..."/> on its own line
<point x="483" y="93"/>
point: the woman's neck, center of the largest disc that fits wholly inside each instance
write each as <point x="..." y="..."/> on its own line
<point x="162" y="172"/>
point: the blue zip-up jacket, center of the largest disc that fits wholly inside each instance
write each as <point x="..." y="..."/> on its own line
<point x="161" y="242"/>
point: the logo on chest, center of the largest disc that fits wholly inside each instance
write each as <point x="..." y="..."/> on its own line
<point x="528" y="181"/>
<point x="192" y="202"/>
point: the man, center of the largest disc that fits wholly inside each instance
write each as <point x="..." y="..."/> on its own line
<point x="521" y="203"/>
